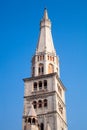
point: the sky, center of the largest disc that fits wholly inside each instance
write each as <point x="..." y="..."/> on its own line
<point x="19" y="31"/>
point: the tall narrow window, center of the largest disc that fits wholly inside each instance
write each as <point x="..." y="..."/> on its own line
<point x="42" y="126"/>
<point x="35" y="104"/>
<point x="35" y="86"/>
<point x="45" y="84"/>
<point x="45" y="102"/>
<point x="39" y="103"/>
<point x="40" y="85"/>
<point x="29" y="120"/>
<point x="40" y="69"/>
<point x="33" y="120"/>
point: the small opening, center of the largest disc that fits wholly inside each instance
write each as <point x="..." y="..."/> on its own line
<point x="39" y="69"/>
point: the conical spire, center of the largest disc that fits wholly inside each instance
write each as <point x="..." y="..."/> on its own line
<point x="32" y="112"/>
<point x="45" y="42"/>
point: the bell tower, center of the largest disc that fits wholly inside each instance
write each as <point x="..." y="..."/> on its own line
<point x="44" y="89"/>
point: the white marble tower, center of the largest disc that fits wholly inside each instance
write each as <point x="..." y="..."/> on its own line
<point x="44" y="89"/>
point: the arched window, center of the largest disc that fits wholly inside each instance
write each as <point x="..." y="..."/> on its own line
<point x="45" y="84"/>
<point x="29" y="120"/>
<point x="39" y="103"/>
<point x="40" y="69"/>
<point x="50" y="68"/>
<point x="40" y="85"/>
<point x="35" y="86"/>
<point x="35" y="104"/>
<point x="45" y="102"/>
<point x="42" y="126"/>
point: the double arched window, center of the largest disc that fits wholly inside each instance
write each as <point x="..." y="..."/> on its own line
<point x="40" y="85"/>
<point x="40" y="103"/>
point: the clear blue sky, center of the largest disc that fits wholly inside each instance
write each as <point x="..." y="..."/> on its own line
<point x="19" y="31"/>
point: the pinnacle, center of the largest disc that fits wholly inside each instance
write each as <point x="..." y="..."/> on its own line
<point x="45" y="17"/>
<point x="32" y="112"/>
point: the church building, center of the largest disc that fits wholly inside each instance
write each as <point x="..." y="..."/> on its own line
<point x="44" y="92"/>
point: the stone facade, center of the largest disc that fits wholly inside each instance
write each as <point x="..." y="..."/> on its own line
<point x="44" y="89"/>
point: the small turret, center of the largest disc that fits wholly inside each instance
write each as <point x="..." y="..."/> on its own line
<point x="31" y="121"/>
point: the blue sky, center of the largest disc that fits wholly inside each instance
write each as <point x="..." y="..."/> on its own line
<point x="19" y="31"/>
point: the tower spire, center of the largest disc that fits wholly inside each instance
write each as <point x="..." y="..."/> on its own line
<point x="45" y="42"/>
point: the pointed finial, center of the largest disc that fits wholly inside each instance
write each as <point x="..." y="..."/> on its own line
<point x="45" y="14"/>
